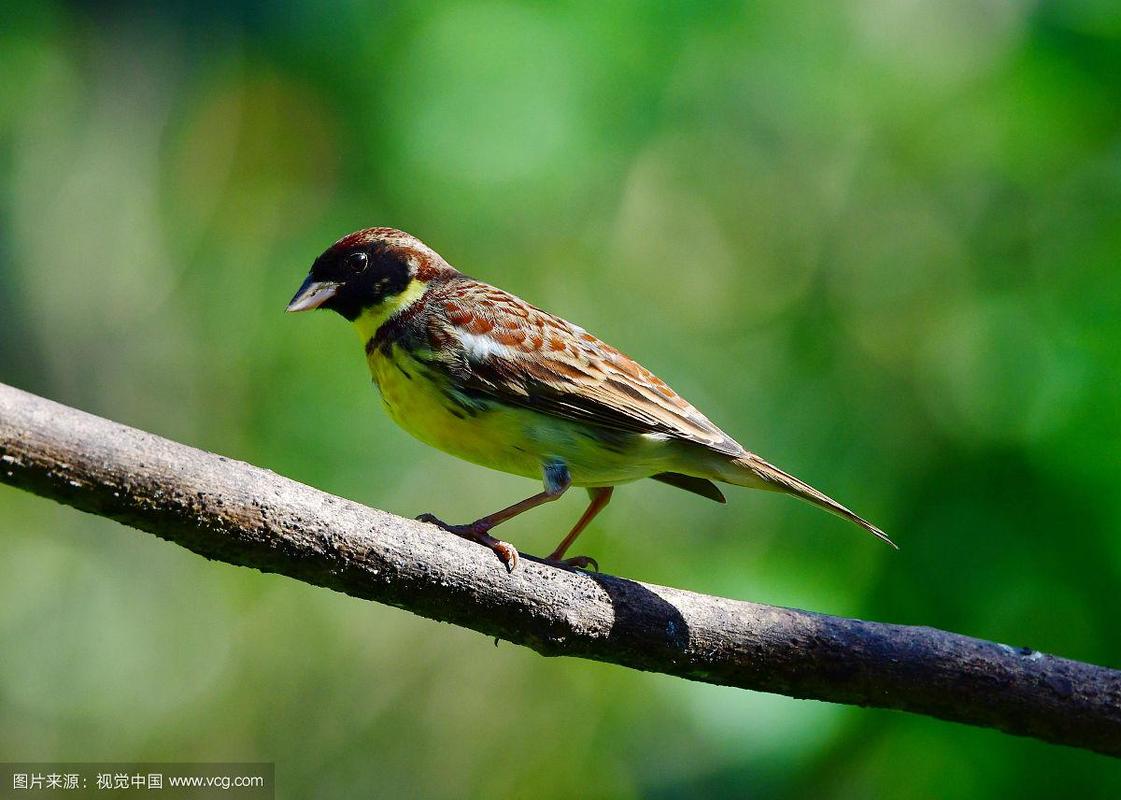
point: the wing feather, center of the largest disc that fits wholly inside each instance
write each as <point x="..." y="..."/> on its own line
<point x="494" y="343"/>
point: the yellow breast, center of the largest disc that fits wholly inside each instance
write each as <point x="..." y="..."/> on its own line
<point x="510" y="438"/>
<point x="417" y="400"/>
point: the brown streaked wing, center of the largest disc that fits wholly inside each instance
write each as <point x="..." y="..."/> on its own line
<point x="525" y="356"/>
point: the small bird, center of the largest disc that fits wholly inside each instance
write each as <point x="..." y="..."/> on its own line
<point x="479" y="373"/>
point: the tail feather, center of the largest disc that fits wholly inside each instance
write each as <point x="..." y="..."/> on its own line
<point x="757" y="473"/>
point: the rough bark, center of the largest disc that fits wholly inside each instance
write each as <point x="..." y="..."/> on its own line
<point x="234" y="512"/>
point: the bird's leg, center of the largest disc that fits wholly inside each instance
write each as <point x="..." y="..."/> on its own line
<point x="477" y="532"/>
<point x="557" y="480"/>
<point x="601" y="496"/>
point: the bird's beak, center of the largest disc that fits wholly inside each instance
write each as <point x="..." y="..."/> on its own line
<point x="313" y="294"/>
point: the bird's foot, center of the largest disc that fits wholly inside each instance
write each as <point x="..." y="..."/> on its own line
<point x="475" y="532"/>
<point x="579" y="562"/>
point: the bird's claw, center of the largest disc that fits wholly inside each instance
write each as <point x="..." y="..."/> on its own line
<point x="505" y="551"/>
<point x="474" y="532"/>
<point x="579" y="562"/>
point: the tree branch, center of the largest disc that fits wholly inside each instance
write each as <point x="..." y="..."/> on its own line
<point x="234" y="512"/>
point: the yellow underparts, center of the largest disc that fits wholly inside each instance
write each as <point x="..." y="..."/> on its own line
<point x="505" y="437"/>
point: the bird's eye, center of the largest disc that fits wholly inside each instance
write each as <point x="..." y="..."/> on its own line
<point x="355" y="262"/>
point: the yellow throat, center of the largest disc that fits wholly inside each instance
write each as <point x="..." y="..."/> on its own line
<point x="375" y="316"/>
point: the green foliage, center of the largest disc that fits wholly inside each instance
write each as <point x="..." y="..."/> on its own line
<point x="877" y="242"/>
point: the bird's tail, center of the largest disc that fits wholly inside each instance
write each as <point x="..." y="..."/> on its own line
<point x="750" y="470"/>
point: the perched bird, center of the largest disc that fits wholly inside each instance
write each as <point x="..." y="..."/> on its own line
<point x="483" y="375"/>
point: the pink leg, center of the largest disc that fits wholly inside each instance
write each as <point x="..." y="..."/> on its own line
<point x="601" y="496"/>
<point x="479" y="530"/>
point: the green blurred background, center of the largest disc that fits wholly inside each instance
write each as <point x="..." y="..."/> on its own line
<point x="879" y="242"/>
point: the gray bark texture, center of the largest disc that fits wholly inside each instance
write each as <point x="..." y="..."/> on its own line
<point x="234" y="512"/>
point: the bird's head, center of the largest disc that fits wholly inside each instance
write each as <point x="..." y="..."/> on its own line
<point x="370" y="274"/>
